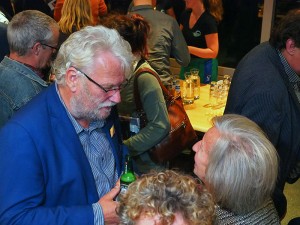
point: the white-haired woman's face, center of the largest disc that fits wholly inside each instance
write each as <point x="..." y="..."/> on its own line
<point x="202" y="149"/>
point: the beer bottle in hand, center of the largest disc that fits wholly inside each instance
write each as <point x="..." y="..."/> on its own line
<point x="127" y="176"/>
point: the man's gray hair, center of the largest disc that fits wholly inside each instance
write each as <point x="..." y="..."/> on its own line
<point x="83" y="46"/>
<point x="243" y="165"/>
<point x="27" y="28"/>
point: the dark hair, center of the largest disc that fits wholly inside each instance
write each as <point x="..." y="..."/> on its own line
<point x="133" y="28"/>
<point x="287" y="28"/>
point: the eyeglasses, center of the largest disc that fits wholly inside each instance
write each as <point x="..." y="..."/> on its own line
<point x="55" y="48"/>
<point x="115" y="89"/>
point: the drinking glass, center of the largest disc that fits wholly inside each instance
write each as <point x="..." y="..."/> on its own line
<point x="196" y="80"/>
<point x="227" y="80"/>
<point x="226" y="83"/>
<point x="213" y="93"/>
<point x="189" y="89"/>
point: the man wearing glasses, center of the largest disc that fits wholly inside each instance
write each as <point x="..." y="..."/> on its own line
<point x="63" y="166"/>
<point x="32" y="38"/>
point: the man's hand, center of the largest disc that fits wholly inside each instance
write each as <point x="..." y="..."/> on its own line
<point x="109" y="206"/>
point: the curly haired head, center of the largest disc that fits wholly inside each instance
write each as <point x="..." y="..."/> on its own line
<point x="165" y="194"/>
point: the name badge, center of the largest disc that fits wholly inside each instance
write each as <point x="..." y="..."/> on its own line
<point x="112" y="131"/>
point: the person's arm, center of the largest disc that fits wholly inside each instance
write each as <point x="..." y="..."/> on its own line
<point x="179" y="48"/>
<point x="102" y="8"/>
<point x="212" y="49"/>
<point x="266" y="111"/>
<point x="158" y="120"/>
<point x="108" y="206"/>
<point x="57" y="9"/>
<point x="264" y="104"/>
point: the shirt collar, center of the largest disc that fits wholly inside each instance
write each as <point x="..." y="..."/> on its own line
<point x="34" y="69"/>
<point x="293" y="77"/>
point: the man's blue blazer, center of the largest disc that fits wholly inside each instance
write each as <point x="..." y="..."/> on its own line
<point x="45" y="177"/>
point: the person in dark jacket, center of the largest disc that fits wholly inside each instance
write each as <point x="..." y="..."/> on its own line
<point x="67" y="140"/>
<point x="266" y="89"/>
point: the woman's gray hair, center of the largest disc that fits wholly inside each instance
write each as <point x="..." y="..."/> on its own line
<point x="27" y="28"/>
<point x="243" y="165"/>
<point x="81" y="48"/>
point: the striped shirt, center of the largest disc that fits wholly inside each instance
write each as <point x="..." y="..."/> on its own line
<point x="295" y="82"/>
<point x="100" y="156"/>
<point x="294" y="79"/>
<point x="266" y="214"/>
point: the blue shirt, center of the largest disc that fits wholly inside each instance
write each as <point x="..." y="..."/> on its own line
<point x="99" y="154"/>
<point x="294" y="79"/>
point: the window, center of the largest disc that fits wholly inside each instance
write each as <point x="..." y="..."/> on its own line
<point x="245" y="24"/>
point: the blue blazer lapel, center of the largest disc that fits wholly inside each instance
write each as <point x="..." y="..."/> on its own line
<point x="113" y="133"/>
<point x="62" y="126"/>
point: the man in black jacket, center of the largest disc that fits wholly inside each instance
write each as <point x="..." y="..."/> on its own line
<point x="266" y="89"/>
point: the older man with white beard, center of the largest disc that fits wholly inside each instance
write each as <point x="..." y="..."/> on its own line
<point x="64" y="149"/>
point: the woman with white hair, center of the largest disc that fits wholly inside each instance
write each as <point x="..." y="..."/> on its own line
<point x="239" y="166"/>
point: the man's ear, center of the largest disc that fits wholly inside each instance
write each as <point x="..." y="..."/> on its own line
<point x="36" y="48"/>
<point x="72" y="79"/>
<point x="290" y="46"/>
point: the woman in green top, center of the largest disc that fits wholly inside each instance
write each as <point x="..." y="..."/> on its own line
<point x="135" y="30"/>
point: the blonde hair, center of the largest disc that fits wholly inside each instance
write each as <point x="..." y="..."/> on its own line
<point x="75" y="14"/>
<point x="164" y="194"/>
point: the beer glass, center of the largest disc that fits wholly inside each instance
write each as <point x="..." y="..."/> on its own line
<point x="196" y="80"/>
<point x="189" y="89"/>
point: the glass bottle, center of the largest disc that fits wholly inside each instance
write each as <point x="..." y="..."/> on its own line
<point x="127" y="176"/>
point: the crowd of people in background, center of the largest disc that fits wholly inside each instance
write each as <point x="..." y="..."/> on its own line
<point x="265" y="88"/>
<point x="67" y="73"/>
